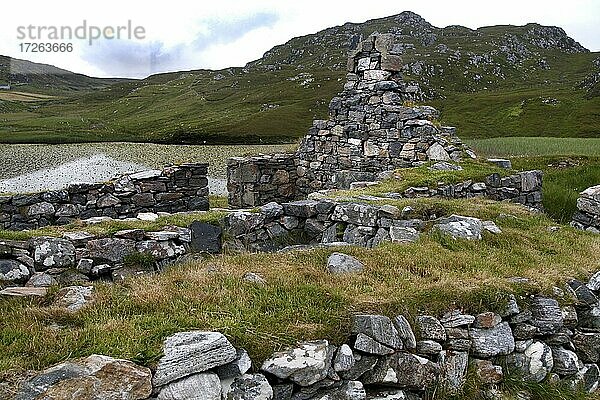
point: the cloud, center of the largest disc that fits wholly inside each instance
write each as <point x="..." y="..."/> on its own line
<point x="222" y="31"/>
<point x="126" y="58"/>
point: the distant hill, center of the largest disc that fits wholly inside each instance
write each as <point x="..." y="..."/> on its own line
<point x="42" y="78"/>
<point x="527" y="80"/>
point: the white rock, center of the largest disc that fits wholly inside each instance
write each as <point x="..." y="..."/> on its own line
<point x="188" y="353"/>
<point x="203" y="386"/>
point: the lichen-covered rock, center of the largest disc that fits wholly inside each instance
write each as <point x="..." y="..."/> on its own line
<point x="188" y="353"/>
<point x="493" y="341"/>
<point x="566" y="362"/>
<point x="13" y="272"/>
<point x="428" y="347"/>
<point x="414" y="372"/>
<point x="160" y="250"/>
<point x="202" y="386"/>
<point x="454" y="370"/>
<point x="460" y="227"/>
<point x="379" y="328"/>
<point x="430" y="328"/>
<point x="239" y="366"/>
<point x="546" y="315"/>
<point x="582" y="293"/>
<point x="110" y="249"/>
<point x="588" y="346"/>
<point x="73" y="298"/>
<point x="356" y="214"/>
<point x="399" y="234"/>
<point x="405" y="332"/>
<point x="368" y="345"/>
<point x="304" y="365"/>
<point x="344" y="359"/>
<point x="53" y="253"/>
<point x="589" y="319"/>
<point x="487" y="372"/>
<point x="456" y="318"/>
<point x="93" y="378"/>
<point x="340" y="263"/>
<point x="249" y="387"/>
<point x="535" y="363"/>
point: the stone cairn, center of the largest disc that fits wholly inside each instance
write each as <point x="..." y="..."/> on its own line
<point x="587" y="216"/>
<point x="372" y="127"/>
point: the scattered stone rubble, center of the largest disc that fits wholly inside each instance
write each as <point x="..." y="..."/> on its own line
<point x="385" y="358"/>
<point x="587" y="216"/>
<point x="174" y="189"/>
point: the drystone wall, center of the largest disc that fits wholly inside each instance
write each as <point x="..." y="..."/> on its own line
<point x="384" y="358"/>
<point x="587" y="216"/>
<point x="316" y="221"/>
<point x="327" y="222"/>
<point x="81" y="257"/>
<point x="174" y="189"/>
<point x="372" y="127"/>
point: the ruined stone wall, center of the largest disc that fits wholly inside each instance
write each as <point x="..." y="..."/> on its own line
<point x="308" y="222"/>
<point x="587" y="216"/>
<point x="373" y="126"/>
<point x="257" y="186"/>
<point x="79" y="256"/>
<point x="174" y="189"/>
<point x="259" y="180"/>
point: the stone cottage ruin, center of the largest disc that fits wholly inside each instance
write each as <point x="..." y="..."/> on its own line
<point x="373" y="126"/>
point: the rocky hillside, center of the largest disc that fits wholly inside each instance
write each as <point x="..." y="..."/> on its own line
<point x="41" y="78"/>
<point x="452" y="58"/>
<point x="495" y="81"/>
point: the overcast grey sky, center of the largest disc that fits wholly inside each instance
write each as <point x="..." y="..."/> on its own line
<point x="183" y="34"/>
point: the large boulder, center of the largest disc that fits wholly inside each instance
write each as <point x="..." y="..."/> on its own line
<point x="13" y="272"/>
<point x="188" y="353"/>
<point x="93" y="378"/>
<point x="304" y="365"/>
<point x="49" y="252"/>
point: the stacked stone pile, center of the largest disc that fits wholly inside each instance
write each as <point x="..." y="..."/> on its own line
<point x="372" y="126"/>
<point x="174" y="189"/>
